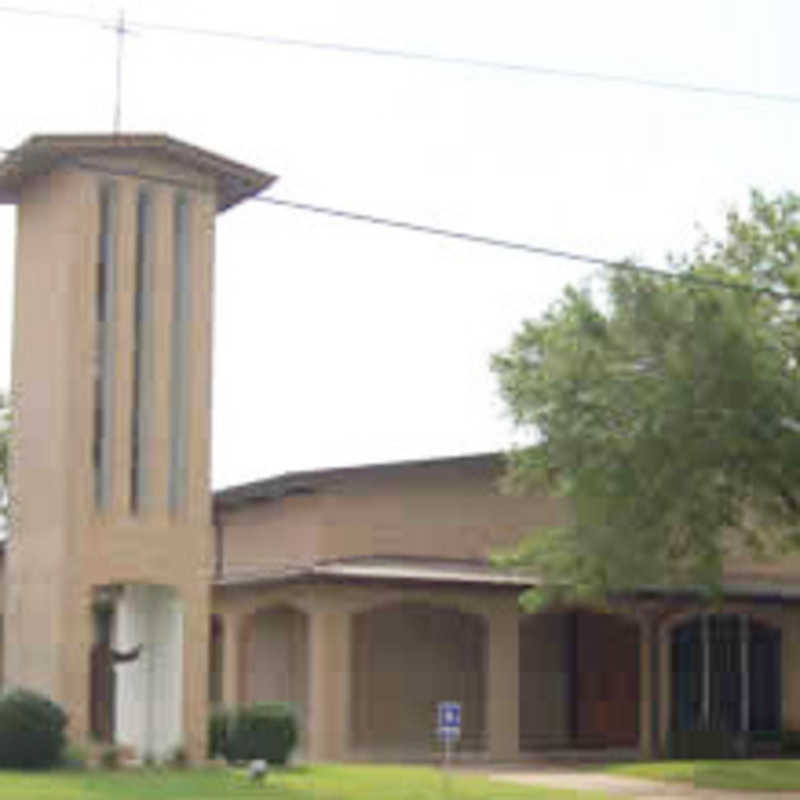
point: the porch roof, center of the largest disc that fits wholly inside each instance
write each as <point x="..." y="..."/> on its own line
<point x="408" y="569"/>
<point x="387" y="568"/>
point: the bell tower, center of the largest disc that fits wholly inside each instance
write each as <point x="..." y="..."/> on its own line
<point x="109" y="557"/>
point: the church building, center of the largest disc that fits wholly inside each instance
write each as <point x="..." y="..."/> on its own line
<point x="139" y="601"/>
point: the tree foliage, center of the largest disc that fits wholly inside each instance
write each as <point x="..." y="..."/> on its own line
<point x="667" y="414"/>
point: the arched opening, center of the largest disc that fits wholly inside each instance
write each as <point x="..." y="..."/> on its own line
<point x="276" y="660"/>
<point x="579" y="680"/>
<point x="215" y="662"/>
<point x="726" y="674"/>
<point x="407" y="658"/>
<point x="136" y="668"/>
<point x="544" y="708"/>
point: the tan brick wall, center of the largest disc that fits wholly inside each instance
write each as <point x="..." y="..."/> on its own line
<point x="276" y="659"/>
<point x="449" y="509"/>
<point x="271" y="536"/>
<point x="61" y="546"/>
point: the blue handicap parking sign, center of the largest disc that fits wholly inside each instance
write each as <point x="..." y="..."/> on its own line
<point x="449" y="719"/>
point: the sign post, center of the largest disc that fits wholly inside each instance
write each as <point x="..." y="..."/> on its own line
<point x="448" y="729"/>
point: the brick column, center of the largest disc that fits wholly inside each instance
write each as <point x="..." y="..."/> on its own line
<point x="233" y="624"/>
<point x="502" y="715"/>
<point x="76" y="663"/>
<point x="195" y="671"/>
<point x="790" y="658"/>
<point x="329" y="684"/>
<point x="665" y="687"/>
<point x="646" y="688"/>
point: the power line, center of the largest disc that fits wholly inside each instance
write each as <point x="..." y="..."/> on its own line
<point x="526" y="247"/>
<point x="423" y="56"/>
<point x="450" y="233"/>
<point x="65" y="16"/>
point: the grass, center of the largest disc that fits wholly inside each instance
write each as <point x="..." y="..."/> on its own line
<point x="745" y="775"/>
<point x="312" y="783"/>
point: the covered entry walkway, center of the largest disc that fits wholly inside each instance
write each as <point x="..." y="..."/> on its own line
<point x="365" y="664"/>
<point x="365" y="660"/>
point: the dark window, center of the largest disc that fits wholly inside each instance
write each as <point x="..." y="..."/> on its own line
<point x="743" y="679"/>
<point x="141" y="350"/>
<point x="179" y="394"/>
<point x="103" y="374"/>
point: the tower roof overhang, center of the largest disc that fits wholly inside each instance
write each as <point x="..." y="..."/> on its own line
<point x="41" y="154"/>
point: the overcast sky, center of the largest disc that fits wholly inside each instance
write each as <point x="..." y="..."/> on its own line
<point x="339" y="343"/>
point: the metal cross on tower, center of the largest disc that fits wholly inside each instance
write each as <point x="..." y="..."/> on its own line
<point x="122" y="31"/>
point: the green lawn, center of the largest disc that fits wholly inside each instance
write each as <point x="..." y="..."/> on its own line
<point x="313" y="783"/>
<point x="745" y="775"/>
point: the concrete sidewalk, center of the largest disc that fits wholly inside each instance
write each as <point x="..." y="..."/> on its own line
<point x="636" y="788"/>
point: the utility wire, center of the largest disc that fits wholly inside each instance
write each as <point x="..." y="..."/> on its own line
<point x="422" y="56"/>
<point x="65" y="16"/>
<point x="526" y="247"/>
<point x="448" y="233"/>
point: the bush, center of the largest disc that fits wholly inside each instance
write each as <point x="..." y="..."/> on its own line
<point x="31" y="730"/>
<point x="705" y="743"/>
<point x="764" y="744"/>
<point x="267" y="731"/>
<point x="110" y="757"/>
<point x="790" y="743"/>
<point x="179" y="758"/>
<point x="73" y="758"/>
<point x="219" y="723"/>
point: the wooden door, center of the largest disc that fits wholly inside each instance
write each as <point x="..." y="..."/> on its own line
<point x="606" y="681"/>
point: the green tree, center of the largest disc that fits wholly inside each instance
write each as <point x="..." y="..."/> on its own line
<point x="667" y="414"/>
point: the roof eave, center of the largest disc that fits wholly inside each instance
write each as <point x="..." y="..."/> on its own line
<point x="234" y="181"/>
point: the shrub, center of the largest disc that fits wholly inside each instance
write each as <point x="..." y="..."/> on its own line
<point x="267" y="731"/>
<point x="705" y="743"/>
<point x="110" y="757"/>
<point x="73" y="758"/>
<point x="179" y="758"/>
<point x="31" y="730"/>
<point x="764" y="744"/>
<point x="219" y="723"/>
<point x="790" y="743"/>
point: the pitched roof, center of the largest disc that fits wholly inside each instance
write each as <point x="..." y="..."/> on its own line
<point x="310" y="481"/>
<point x="38" y="155"/>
